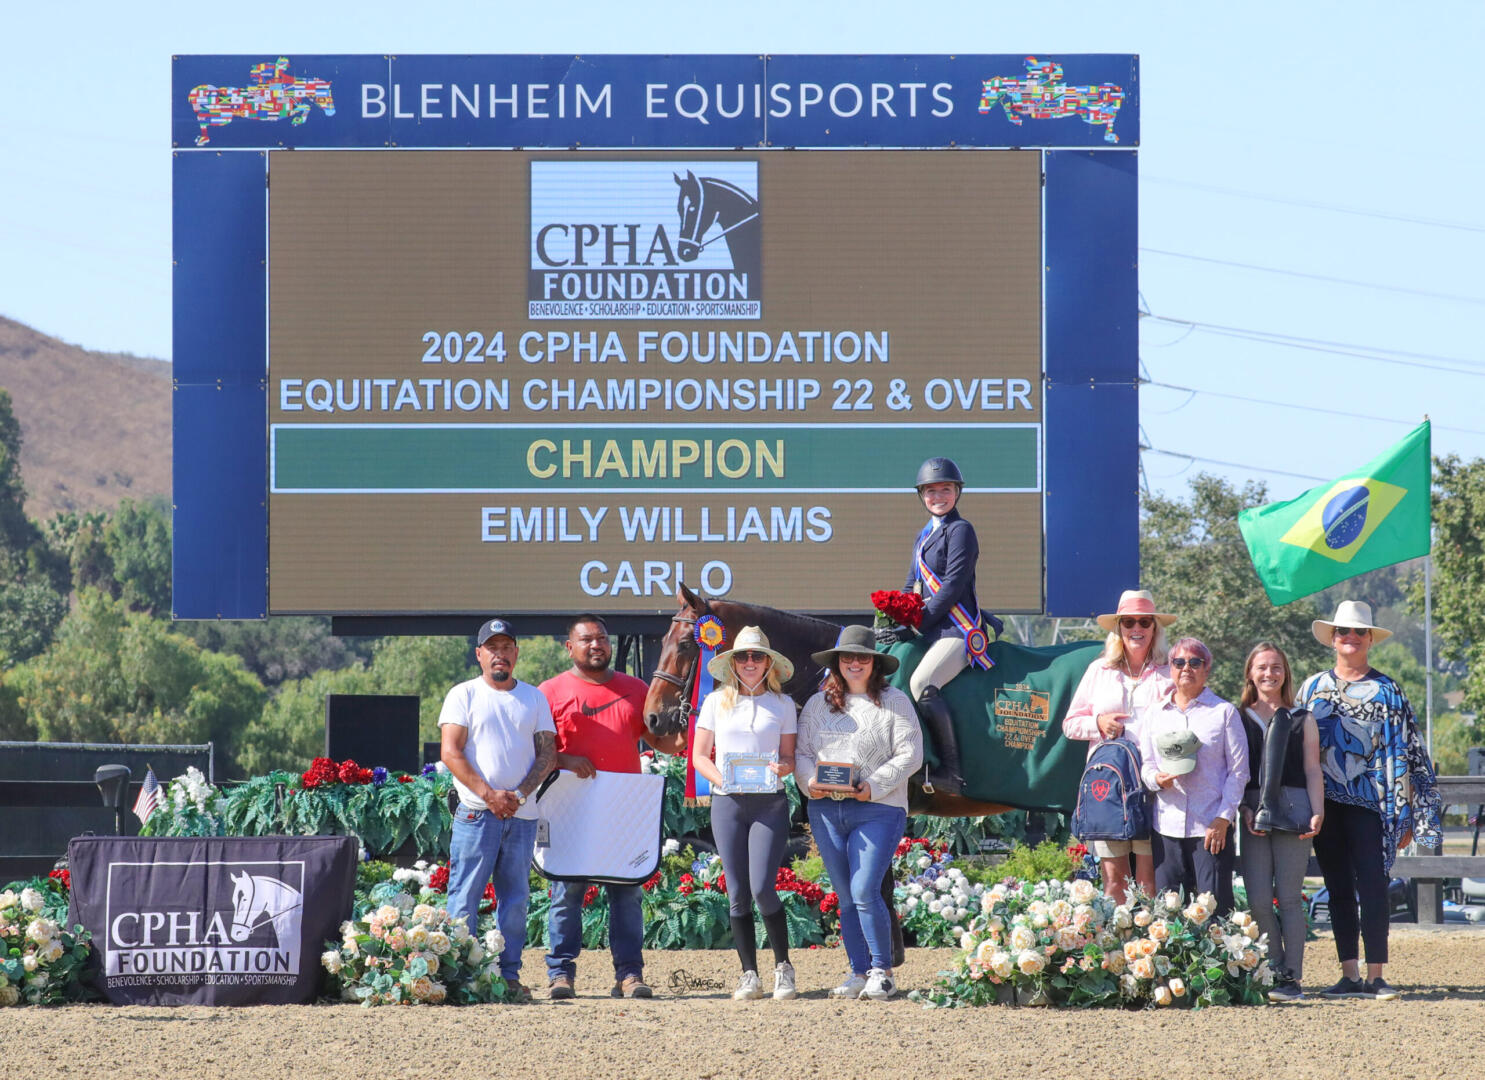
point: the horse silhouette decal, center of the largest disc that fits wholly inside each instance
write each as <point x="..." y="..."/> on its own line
<point x="707" y="202"/>
<point x="258" y="899"/>
<point x="1042" y="95"/>
<point x="271" y="94"/>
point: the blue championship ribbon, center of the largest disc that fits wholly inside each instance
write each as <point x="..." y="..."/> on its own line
<point x="709" y="637"/>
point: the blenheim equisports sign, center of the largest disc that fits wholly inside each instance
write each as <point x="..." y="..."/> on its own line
<point x="599" y="334"/>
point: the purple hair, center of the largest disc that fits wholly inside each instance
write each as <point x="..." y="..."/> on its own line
<point x="1193" y="645"/>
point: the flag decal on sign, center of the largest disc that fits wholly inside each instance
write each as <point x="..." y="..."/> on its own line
<point x="1340" y="522"/>
<point x="1375" y="516"/>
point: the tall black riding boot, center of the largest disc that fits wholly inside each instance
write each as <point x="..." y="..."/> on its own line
<point x="1273" y="810"/>
<point x="940" y="723"/>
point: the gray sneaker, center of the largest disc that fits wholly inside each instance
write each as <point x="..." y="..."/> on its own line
<point x="1381" y="991"/>
<point x="1285" y="992"/>
<point x="879" y="985"/>
<point x="748" y="987"/>
<point x="851" y="988"/>
<point x="783" y="982"/>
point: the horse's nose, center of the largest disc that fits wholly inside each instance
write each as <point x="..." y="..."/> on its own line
<point x="688" y="251"/>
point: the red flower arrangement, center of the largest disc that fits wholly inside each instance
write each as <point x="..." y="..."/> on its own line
<point x="489" y="895"/>
<point x="438" y="880"/>
<point x="64" y="876"/>
<point x="324" y="771"/>
<point x="897" y="606"/>
<point x="1077" y="851"/>
<point x="590" y="896"/>
<point x="652" y="882"/>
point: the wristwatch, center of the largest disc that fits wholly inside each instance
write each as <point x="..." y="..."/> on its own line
<point x="520" y="799"/>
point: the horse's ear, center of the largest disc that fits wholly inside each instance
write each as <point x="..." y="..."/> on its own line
<point x="690" y="599"/>
<point x="690" y="177"/>
<point x="677" y="176"/>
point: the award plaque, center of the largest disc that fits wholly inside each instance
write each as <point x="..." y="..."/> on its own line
<point x="749" y="774"/>
<point x="836" y="777"/>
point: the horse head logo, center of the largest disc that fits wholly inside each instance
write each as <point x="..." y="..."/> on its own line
<point x="707" y="202"/>
<point x="257" y="899"/>
<point x="1100" y="789"/>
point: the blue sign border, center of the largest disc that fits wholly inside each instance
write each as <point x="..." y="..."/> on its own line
<point x="1091" y="406"/>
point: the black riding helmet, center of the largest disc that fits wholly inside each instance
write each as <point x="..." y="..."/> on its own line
<point x="938" y="470"/>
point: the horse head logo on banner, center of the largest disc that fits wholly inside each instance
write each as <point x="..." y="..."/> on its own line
<point x="705" y="202"/>
<point x="257" y="899"/>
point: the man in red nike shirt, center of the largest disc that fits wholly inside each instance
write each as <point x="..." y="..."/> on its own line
<point x="599" y="715"/>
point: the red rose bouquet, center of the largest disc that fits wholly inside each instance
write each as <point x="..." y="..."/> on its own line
<point x="897" y="608"/>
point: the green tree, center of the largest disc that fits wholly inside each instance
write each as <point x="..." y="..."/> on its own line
<point x="1193" y="559"/>
<point x="79" y="535"/>
<point x="541" y="658"/>
<point x="289" y="732"/>
<point x="137" y="539"/>
<point x="1459" y="571"/>
<point x="280" y="647"/>
<point x="114" y="675"/>
<point x="34" y="576"/>
<point x="426" y="666"/>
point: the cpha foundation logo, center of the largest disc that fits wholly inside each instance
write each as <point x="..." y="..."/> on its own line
<point x="204" y="922"/>
<point x="645" y="240"/>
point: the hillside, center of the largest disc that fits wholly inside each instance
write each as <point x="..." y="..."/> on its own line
<point x="96" y="426"/>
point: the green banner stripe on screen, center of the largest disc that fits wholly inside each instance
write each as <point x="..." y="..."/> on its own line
<point x="509" y="457"/>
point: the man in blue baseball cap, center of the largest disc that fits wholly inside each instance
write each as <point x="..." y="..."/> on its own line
<point x="499" y="742"/>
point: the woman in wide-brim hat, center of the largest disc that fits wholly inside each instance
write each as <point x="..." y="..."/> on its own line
<point x="1118" y="690"/>
<point x="748" y="714"/>
<point x="1380" y="791"/>
<point x="858" y="720"/>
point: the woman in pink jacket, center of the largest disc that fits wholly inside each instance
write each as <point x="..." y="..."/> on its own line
<point x="1117" y="689"/>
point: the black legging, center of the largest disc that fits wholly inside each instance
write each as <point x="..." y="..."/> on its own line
<point x="1349" y="851"/>
<point x="751" y="832"/>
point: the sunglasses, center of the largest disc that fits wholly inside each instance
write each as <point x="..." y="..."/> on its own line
<point x="1194" y="662"/>
<point x="1129" y="622"/>
<point x="1359" y="631"/>
<point x="749" y="657"/>
<point x="855" y="658"/>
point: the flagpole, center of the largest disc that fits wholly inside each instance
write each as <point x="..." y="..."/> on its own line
<point x="1428" y="652"/>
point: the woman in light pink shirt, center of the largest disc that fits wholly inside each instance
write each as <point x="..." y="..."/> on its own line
<point x="1118" y="690"/>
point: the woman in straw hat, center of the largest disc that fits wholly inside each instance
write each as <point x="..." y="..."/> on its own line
<point x="1118" y="690"/>
<point x="857" y="720"/>
<point x="751" y="725"/>
<point x="1380" y="793"/>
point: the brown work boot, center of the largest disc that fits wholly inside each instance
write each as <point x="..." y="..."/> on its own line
<point x="561" y="988"/>
<point x="631" y="986"/>
<point x="515" y="991"/>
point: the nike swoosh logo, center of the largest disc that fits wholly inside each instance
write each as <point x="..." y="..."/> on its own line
<point x="588" y="710"/>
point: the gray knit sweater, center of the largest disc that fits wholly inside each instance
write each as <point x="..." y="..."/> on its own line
<point x="884" y="741"/>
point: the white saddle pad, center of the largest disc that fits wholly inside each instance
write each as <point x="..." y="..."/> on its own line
<point x="606" y="828"/>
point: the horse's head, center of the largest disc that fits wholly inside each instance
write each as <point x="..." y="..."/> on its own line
<point x="690" y="206"/>
<point x="242" y="903"/>
<point x="668" y="703"/>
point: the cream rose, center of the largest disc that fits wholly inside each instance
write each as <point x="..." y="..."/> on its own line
<point x="1022" y="939"/>
<point x="1030" y="962"/>
<point x="1143" y="918"/>
<point x="1114" y="963"/>
<point x="1132" y="950"/>
<point x="1159" y="930"/>
<point x="1163" y="995"/>
<point x="1172" y="899"/>
<point x="1081" y="892"/>
<point x="32" y="900"/>
<point x="1143" y="968"/>
<point x="1002" y="964"/>
<point x="1178" y="987"/>
<point x="332" y="961"/>
<point x="421" y="988"/>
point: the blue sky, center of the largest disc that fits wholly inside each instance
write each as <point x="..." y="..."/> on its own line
<point x="1309" y="171"/>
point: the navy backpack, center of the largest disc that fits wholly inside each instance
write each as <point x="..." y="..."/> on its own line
<point x="1111" y="798"/>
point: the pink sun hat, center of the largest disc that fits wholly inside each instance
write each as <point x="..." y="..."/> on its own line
<point x="1135" y="602"/>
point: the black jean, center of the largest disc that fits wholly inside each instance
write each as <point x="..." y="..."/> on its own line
<point x="1183" y="862"/>
<point x="1349" y="851"/>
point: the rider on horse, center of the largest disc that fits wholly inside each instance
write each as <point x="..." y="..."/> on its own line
<point x="942" y="570"/>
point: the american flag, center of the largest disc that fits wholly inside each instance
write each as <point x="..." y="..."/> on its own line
<point x="150" y="798"/>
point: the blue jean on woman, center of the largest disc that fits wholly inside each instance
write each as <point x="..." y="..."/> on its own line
<point x="857" y="841"/>
<point x="485" y="847"/>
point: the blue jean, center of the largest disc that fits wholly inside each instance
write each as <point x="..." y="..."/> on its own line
<point x="626" y="929"/>
<point x="485" y="847"/>
<point x="857" y="841"/>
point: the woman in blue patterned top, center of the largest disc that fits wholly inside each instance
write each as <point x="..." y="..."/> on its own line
<point x="1380" y="793"/>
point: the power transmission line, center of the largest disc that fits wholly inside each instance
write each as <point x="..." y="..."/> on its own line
<point x="1302" y="408"/>
<point x="1318" y="277"/>
<point x="1229" y="464"/>
<point x="1411" y="219"/>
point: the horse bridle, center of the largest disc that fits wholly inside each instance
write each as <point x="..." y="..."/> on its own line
<point x="695" y="238"/>
<point x="681" y="682"/>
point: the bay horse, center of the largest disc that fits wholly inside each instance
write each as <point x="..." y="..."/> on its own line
<point x="668" y="702"/>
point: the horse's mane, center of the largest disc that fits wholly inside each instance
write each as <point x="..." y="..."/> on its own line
<point x="801" y="623"/>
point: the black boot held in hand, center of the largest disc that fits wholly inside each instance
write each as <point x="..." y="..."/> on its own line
<point x="1274" y="811"/>
<point x="940" y="723"/>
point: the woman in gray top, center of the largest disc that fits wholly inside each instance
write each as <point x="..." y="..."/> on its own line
<point x="1283" y="807"/>
<point x="859" y="741"/>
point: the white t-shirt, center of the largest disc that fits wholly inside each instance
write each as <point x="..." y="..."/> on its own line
<point x="753" y="726"/>
<point x="502" y="727"/>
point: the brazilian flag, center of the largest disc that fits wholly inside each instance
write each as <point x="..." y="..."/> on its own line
<point x="1370" y="518"/>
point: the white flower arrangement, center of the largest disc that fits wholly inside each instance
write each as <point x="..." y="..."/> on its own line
<point x="391" y="955"/>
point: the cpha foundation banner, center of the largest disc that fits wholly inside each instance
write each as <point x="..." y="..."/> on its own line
<point x="210" y="920"/>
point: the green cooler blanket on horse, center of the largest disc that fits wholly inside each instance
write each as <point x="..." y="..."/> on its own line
<point x="1009" y="722"/>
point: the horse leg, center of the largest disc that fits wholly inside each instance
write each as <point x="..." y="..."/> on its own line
<point x="203" y="119"/>
<point x="899" y="949"/>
